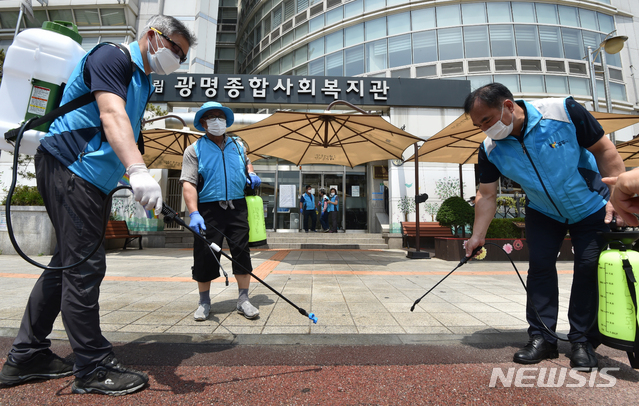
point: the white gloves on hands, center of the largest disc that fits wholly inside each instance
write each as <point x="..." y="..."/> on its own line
<point x="145" y="189"/>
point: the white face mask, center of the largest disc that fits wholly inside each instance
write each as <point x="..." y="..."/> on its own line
<point x="332" y="194"/>
<point x="163" y="61"/>
<point x="499" y="130"/>
<point x="216" y="127"/>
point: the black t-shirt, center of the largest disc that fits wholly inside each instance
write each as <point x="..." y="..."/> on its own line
<point x="588" y="131"/>
<point x="108" y="69"/>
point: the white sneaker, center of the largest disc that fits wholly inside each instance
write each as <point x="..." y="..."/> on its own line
<point x="248" y="310"/>
<point x="202" y="312"/>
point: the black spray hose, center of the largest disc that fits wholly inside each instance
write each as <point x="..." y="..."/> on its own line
<point x="172" y="215"/>
<point x="462" y="262"/>
<point x="14" y="178"/>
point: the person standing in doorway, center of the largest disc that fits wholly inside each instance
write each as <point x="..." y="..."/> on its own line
<point x="333" y="208"/>
<point x="323" y="206"/>
<point x="307" y="207"/>
<point x="215" y="171"/>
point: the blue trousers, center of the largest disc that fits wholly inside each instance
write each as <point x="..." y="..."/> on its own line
<point x="544" y="237"/>
<point x="324" y="220"/>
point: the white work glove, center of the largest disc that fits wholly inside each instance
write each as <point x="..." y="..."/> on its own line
<point x="145" y="189"/>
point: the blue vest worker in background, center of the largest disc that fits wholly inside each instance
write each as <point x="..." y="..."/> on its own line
<point x="557" y="152"/>
<point x="78" y="163"/>
<point x="215" y="171"/>
<point x="307" y="207"/>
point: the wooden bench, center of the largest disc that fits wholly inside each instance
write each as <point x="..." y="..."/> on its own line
<point x="119" y="229"/>
<point x="426" y="229"/>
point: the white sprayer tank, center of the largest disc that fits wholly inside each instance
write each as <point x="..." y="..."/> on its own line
<point x="37" y="63"/>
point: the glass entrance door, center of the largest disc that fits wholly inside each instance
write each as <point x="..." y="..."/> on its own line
<point x="355" y="202"/>
<point x="335" y="180"/>
<point x="315" y="181"/>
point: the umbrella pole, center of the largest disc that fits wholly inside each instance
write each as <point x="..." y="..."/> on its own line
<point x="417" y="254"/>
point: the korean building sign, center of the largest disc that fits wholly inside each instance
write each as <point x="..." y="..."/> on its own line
<point x="270" y="89"/>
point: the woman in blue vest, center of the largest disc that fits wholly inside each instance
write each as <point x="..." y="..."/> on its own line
<point x="333" y="208"/>
<point x="307" y="207"/>
<point x="215" y="171"/>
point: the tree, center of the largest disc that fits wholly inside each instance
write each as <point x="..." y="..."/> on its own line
<point x="155" y="111"/>
<point x="456" y="212"/>
<point x="447" y="187"/>
<point x="2" y="55"/>
<point x="406" y="206"/>
<point x="432" y="209"/>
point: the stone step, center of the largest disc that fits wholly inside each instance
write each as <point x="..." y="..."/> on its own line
<point x="320" y="246"/>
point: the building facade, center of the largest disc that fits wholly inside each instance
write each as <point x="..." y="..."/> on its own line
<point x="537" y="49"/>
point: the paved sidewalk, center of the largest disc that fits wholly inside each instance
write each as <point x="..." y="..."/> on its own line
<point x="356" y="295"/>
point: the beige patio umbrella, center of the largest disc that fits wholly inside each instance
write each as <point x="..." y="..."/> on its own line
<point x="326" y="138"/>
<point x="629" y="152"/>
<point x="459" y="141"/>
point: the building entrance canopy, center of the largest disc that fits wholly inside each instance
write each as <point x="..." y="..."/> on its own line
<point x="310" y="92"/>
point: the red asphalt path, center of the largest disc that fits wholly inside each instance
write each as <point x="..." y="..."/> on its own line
<point x="459" y="374"/>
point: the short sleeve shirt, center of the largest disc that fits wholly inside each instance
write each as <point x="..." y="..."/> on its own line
<point x="108" y="69"/>
<point x="588" y="131"/>
<point x="190" y="164"/>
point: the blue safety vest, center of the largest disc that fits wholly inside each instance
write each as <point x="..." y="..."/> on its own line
<point x="224" y="172"/>
<point x="333" y="207"/>
<point x="76" y="138"/>
<point x="560" y="178"/>
<point x="309" y="201"/>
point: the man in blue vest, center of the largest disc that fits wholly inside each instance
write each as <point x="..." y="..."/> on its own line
<point x="307" y="207"/>
<point x="215" y="172"/>
<point x="81" y="159"/>
<point x="558" y="153"/>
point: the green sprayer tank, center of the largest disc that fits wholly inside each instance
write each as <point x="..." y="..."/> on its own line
<point x="257" y="231"/>
<point x="618" y="275"/>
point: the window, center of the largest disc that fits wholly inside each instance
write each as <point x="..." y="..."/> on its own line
<point x="370" y="5"/>
<point x="423" y="19"/>
<point x="398" y="23"/>
<point x="618" y="91"/>
<point x="354" y="34"/>
<point x="527" y="40"/>
<point x="498" y="12"/>
<point x="450" y="43"/>
<point x="55" y="15"/>
<point x="573" y="44"/>
<point x="556" y="66"/>
<point x="425" y="71"/>
<point x="225" y="53"/>
<point x="588" y="19"/>
<point x="352" y="9"/>
<point x="591" y="40"/>
<point x="316" y="48"/>
<point x="302" y="70"/>
<point x="288" y="38"/>
<point x="301" y="6"/>
<point x="478" y="81"/>
<point x="424" y="46"/>
<point x="510" y="81"/>
<point x="274" y="68"/>
<point x="557" y="84"/>
<point x="478" y="66"/>
<point x="401" y="73"/>
<point x="316" y="67"/>
<point x="474" y="13"/>
<point x="89" y="42"/>
<point x="615" y="74"/>
<point x="316" y="23"/>
<point x="301" y="31"/>
<point x="502" y="40"/>
<point x="531" y="65"/>
<point x="546" y="13"/>
<point x="550" y="42"/>
<point x="579" y="86"/>
<point x="453" y="68"/>
<point x="354" y="61"/>
<point x="524" y="12"/>
<point x="476" y="42"/>
<point x="289" y="9"/>
<point x="375" y="28"/>
<point x="532" y="83"/>
<point x="505" y="64"/>
<point x="606" y="23"/>
<point x="334" y="16"/>
<point x="334" y="41"/>
<point x="276" y="16"/>
<point x="225" y="67"/>
<point x="40" y="17"/>
<point x="335" y="64"/>
<point x="577" y="68"/>
<point x="87" y="18"/>
<point x="568" y="16"/>
<point x="399" y="51"/>
<point x="376" y="56"/>
<point x="448" y="15"/>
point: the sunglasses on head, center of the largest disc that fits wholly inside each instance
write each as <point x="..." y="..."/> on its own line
<point x="174" y="44"/>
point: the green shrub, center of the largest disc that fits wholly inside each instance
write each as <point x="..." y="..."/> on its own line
<point x="456" y="212"/>
<point x="25" y="196"/>
<point x="504" y="228"/>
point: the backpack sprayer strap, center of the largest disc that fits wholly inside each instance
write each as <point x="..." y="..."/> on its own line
<point x="631" y="280"/>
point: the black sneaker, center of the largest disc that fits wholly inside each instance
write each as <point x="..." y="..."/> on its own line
<point x="110" y="378"/>
<point x="43" y="365"/>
